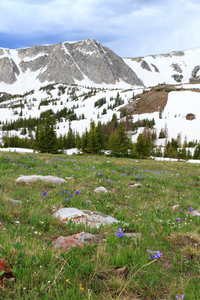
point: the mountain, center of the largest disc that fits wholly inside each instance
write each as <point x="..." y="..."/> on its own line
<point x="85" y="62"/>
<point x="93" y="83"/>
<point x="171" y="68"/>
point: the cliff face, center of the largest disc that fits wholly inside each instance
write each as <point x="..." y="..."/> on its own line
<point x="66" y="63"/>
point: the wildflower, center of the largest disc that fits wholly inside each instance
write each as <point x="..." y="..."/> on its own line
<point x="183" y="296"/>
<point x="67" y="280"/>
<point x="65" y="192"/>
<point x="77" y="192"/>
<point x="191" y="209"/>
<point x="154" y="254"/>
<point x="178" y="220"/>
<point x="120" y="233"/>
<point x="44" y="194"/>
<point x="139" y="177"/>
<point x="81" y="287"/>
<point x="66" y="199"/>
<point x="71" y="195"/>
<point x="153" y="235"/>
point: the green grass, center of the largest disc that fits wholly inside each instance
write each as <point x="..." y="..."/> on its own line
<point x="89" y="272"/>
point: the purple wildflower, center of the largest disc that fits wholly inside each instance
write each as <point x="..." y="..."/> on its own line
<point x="77" y="192"/>
<point x="178" y="220"/>
<point x="154" y="254"/>
<point x="66" y="199"/>
<point x="65" y="192"/>
<point x="182" y="297"/>
<point x="44" y="194"/>
<point x="71" y="195"/>
<point x="120" y="233"/>
<point x="191" y="209"/>
<point x="139" y="178"/>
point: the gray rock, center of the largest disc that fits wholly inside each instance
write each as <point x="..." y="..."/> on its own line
<point x="33" y="178"/>
<point x="145" y="65"/>
<point x="176" y="68"/>
<point x="80" y="239"/>
<point x="155" y="68"/>
<point x="100" y="189"/>
<point x="8" y="70"/>
<point x="86" y="217"/>
<point x="16" y="201"/>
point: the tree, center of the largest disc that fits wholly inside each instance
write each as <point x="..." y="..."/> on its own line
<point x="46" y="140"/>
<point x="140" y="145"/>
<point x="93" y="145"/>
<point x="119" y="142"/>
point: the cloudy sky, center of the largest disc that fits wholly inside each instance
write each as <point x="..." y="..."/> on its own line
<point x="130" y="28"/>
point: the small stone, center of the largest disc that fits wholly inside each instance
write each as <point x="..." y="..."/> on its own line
<point x="176" y="207"/>
<point x="16" y="201"/>
<point x="194" y="213"/>
<point x="138" y="185"/>
<point x="100" y="189"/>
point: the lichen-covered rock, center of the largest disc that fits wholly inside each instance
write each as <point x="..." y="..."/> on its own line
<point x="86" y="217"/>
<point x="33" y="178"/>
<point x="80" y="239"/>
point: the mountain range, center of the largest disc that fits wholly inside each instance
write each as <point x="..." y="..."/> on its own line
<point x="77" y="68"/>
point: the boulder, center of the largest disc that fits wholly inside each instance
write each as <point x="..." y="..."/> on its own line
<point x="86" y="217"/>
<point x="33" y="178"/>
<point x="79" y="239"/>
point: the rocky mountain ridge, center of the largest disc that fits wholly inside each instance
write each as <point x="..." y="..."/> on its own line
<point x="88" y="63"/>
<point x="67" y="63"/>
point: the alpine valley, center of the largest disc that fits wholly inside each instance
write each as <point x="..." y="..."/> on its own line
<point x="94" y="83"/>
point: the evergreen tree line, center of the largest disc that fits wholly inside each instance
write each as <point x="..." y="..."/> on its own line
<point x="111" y="136"/>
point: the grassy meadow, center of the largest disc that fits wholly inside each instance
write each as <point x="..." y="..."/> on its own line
<point x="28" y="228"/>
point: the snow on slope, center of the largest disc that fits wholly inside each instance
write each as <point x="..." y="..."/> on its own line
<point x="181" y="63"/>
<point x="179" y="104"/>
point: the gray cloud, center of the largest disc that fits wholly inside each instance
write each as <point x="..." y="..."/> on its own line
<point x="130" y="28"/>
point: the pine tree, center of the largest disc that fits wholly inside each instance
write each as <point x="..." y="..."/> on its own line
<point x="93" y="141"/>
<point x="140" y="145"/>
<point x="46" y="140"/>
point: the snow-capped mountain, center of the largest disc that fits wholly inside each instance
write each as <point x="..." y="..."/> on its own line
<point x="85" y="62"/>
<point x="77" y="75"/>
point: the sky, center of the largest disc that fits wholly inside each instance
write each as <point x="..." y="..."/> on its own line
<point x="130" y="28"/>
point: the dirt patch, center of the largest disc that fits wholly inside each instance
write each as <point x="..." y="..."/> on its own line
<point x="153" y="100"/>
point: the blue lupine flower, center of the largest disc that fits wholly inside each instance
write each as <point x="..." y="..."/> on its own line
<point x="183" y="296"/>
<point x="120" y="233"/>
<point x="154" y="254"/>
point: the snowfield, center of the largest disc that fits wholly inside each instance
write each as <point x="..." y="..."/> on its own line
<point x="179" y="104"/>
